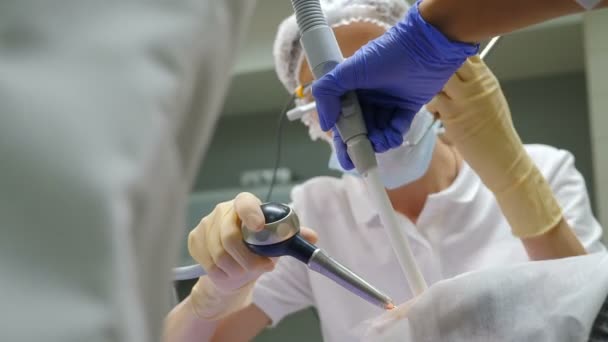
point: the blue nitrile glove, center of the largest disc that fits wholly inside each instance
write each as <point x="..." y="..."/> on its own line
<point x="394" y="75"/>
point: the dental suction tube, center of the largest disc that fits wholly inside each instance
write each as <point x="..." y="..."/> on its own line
<point x="323" y="54"/>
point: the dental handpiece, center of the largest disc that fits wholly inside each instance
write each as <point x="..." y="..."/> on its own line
<point x="281" y="237"/>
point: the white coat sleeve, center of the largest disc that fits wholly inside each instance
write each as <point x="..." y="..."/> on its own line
<point x="105" y="111"/>
<point x="283" y="291"/>
<point x="569" y="188"/>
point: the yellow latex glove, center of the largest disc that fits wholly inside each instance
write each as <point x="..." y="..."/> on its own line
<point x="216" y="244"/>
<point x="477" y="121"/>
<point x="232" y="269"/>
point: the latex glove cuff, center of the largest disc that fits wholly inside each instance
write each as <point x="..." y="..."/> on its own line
<point x="211" y="303"/>
<point x="529" y="205"/>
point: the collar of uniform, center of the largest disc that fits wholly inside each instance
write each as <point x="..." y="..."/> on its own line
<point x="462" y="190"/>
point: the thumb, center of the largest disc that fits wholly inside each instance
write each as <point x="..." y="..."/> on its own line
<point x="309" y="235"/>
<point x="341" y="152"/>
<point x="247" y="208"/>
<point x="327" y="93"/>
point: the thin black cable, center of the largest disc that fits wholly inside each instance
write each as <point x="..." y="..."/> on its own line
<point x="277" y="159"/>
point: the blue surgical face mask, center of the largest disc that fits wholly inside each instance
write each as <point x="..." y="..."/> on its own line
<point x="405" y="164"/>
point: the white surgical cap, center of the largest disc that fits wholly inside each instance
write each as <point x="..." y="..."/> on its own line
<point x="288" y="54"/>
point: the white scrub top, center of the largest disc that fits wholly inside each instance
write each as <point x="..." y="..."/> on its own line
<point x="460" y="229"/>
<point x="105" y="111"/>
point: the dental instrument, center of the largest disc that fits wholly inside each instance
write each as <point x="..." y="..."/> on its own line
<point x="489" y="47"/>
<point x="281" y="237"/>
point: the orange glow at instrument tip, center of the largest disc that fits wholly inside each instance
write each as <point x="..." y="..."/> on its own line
<point x="390" y="306"/>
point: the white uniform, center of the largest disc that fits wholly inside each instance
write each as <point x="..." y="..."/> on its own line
<point x="459" y="229"/>
<point x="105" y="111"/>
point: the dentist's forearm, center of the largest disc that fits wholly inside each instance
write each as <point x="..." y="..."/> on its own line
<point x="559" y="242"/>
<point x="182" y="325"/>
<point x="477" y="20"/>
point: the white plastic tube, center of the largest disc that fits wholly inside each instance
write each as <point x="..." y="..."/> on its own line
<point x="188" y="272"/>
<point x="396" y="234"/>
<point x="299" y="111"/>
<point x="489" y="47"/>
